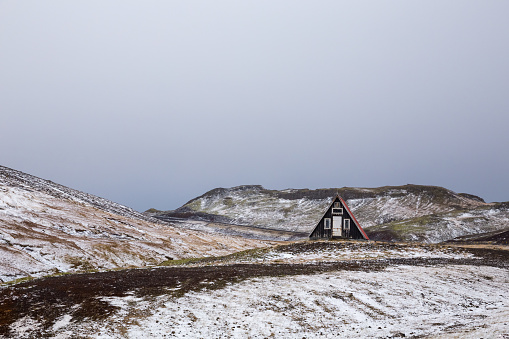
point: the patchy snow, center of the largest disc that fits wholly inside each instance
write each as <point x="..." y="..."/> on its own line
<point x="462" y="299"/>
<point x="12" y="178"/>
<point x="449" y="301"/>
<point x="446" y="226"/>
<point x="62" y="322"/>
<point x="348" y="254"/>
<point x="386" y="208"/>
<point x="24" y="327"/>
<point x="344" y="251"/>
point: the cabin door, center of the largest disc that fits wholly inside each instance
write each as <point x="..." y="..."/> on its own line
<point x="337" y="222"/>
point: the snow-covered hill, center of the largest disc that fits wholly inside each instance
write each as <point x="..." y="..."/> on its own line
<point x="476" y="222"/>
<point x="16" y="179"/>
<point x="48" y="228"/>
<point x="254" y="206"/>
<point x="397" y="207"/>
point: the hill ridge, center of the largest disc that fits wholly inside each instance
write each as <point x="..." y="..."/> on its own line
<point x="298" y="210"/>
<point x="15" y="178"/>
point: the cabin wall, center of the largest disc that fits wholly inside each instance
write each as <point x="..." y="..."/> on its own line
<point x="355" y="233"/>
<point x="320" y="232"/>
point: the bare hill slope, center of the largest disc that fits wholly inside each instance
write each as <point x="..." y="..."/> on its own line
<point x="48" y="228"/>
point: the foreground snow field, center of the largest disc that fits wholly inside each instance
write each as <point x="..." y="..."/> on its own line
<point x="304" y="289"/>
<point x="456" y="301"/>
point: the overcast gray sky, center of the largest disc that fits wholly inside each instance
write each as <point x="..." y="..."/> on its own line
<point x="151" y="103"/>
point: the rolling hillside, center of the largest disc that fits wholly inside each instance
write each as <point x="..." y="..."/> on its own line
<point x="409" y="212"/>
<point x="47" y="228"/>
<point x="468" y="223"/>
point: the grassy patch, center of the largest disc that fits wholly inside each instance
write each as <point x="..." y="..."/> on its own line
<point x="187" y="261"/>
<point x="80" y="264"/>
<point x="18" y="281"/>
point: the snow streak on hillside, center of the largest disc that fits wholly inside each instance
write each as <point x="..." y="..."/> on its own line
<point x="47" y="228"/>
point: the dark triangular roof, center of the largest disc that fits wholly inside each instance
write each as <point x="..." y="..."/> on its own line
<point x="349" y="212"/>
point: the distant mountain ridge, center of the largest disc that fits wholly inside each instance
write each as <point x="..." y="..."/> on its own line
<point x="381" y="211"/>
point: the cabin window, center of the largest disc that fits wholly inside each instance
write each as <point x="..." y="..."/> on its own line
<point x="326" y="223"/>
<point x="337" y="211"/>
<point x="346" y="223"/>
<point x="337" y="205"/>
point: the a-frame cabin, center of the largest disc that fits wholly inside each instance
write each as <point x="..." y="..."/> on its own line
<point x="338" y="222"/>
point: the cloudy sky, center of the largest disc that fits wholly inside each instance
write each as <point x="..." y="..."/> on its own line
<point x="151" y="103"/>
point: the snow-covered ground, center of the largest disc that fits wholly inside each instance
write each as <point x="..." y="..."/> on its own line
<point x="13" y="178"/>
<point x="444" y="301"/>
<point x="456" y="298"/>
<point x="349" y="254"/>
<point x="313" y="252"/>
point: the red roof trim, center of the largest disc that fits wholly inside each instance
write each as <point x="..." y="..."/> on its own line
<point x="355" y="220"/>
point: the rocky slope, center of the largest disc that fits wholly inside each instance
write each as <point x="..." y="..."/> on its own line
<point x="410" y="212"/>
<point x="48" y="228"/>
